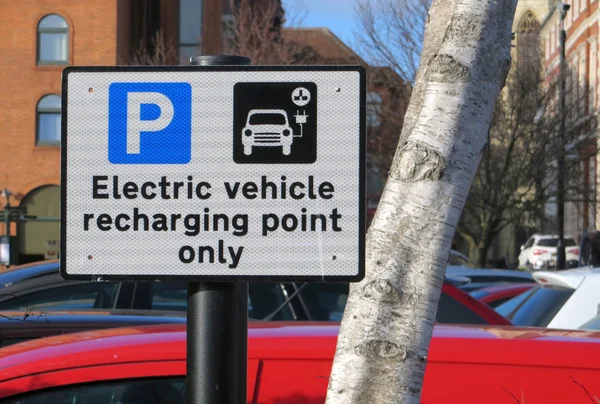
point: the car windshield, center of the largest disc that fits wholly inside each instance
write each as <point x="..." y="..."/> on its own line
<point x="267" y="119"/>
<point x="552" y="242"/>
<point x="540" y="306"/>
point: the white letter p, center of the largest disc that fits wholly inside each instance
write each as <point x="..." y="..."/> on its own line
<point x="135" y="125"/>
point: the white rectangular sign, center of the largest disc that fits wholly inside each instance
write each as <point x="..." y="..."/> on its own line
<point x="213" y="173"/>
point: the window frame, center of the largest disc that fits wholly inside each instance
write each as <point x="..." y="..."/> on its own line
<point x="67" y="33"/>
<point x="48" y="111"/>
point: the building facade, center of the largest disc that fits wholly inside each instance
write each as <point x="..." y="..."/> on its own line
<point x="581" y="25"/>
<point x="41" y="38"/>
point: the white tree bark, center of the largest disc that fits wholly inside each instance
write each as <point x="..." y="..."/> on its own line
<point x="388" y="320"/>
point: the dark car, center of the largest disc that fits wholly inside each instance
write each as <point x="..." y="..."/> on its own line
<point x="40" y="287"/>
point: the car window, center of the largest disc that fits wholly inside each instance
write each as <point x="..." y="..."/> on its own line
<point x="529" y="242"/>
<point x="267" y="119"/>
<point x="324" y="301"/>
<point x="265" y="298"/>
<point x="170" y="296"/>
<point x="147" y="391"/>
<point x="540" y="306"/>
<point x="451" y="311"/>
<point x="93" y="295"/>
<point x="553" y="242"/>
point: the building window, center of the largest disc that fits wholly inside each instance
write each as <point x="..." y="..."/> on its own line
<point x="582" y="81"/>
<point x="190" y="29"/>
<point x="373" y="109"/>
<point x="48" y="120"/>
<point x="528" y="46"/>
<point x="53" y="41"/>
<point x="593" y="75"/>
<point x="228" y="26"/>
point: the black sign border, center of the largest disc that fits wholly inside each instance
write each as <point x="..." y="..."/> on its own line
<point x="210" y="278"/>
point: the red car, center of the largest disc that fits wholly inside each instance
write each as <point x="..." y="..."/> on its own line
<point x="291" y="364"/>
<point x="494" y="296"/>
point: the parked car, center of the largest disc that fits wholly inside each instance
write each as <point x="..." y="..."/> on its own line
<point x="40" y="287"/>
<point x="561" y="299"/>
<point x="494" y="296"/>
<point x="481" y="278"/>
<point x="539" y="252"/>
<point x="456" y="307"/>
<point x="291" y="364"/>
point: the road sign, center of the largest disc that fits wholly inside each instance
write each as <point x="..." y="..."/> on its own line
<point x="213" y="173"/>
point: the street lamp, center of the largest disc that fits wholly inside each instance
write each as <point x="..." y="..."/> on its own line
<point x="560" y="170"/>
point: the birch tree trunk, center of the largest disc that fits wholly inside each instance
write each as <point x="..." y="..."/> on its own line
<point x="388" y="320"/>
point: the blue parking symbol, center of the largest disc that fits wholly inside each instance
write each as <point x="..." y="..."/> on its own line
<point x="150" y="123"/>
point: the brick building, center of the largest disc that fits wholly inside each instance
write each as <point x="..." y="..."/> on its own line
<point x="40" y="38"/>
<point x="536" y="40"/>
<point x="537" y="28"/>
<point x="581" y="26"/>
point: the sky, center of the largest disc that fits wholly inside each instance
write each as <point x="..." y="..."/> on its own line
<point x="337" y="15"/>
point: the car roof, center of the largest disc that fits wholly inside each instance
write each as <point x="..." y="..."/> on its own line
<point x="567" y="278"/>
<point x="467" y="272"/>
<point x="550" y="236"/>
<point x="28" y="271"/>
<point x="534" y="346"/>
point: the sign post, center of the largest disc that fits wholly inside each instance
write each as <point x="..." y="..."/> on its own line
<point x="217" y="324"/>
<point x="218" y="174"/>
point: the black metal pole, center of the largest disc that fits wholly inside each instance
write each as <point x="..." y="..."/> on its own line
<point x="217" y="324"/>
<point x="560" y="168"/>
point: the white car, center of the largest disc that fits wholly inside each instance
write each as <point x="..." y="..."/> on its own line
<point x="562" y="299"/>
<point x="267" y="128"/>
<point x="540" y="252"/>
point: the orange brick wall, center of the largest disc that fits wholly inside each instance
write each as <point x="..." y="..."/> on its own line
<point x="93" y="32"/>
